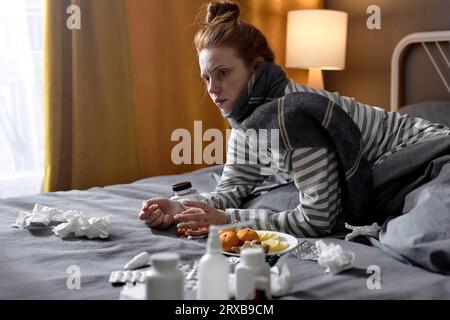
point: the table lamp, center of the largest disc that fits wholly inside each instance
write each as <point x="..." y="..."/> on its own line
<point x="316" y="40"/>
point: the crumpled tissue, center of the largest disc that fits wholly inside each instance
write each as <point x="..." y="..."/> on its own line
<point x="280" y="283"/>
<point x="69" y="222"/>
<point x="333" y="258"/>
<point x="82" y="226"/>
<point x="371" y="231"/>
<point x="39" y="217"/>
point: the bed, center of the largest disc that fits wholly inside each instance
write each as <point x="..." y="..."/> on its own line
<point x="36" y="264"/>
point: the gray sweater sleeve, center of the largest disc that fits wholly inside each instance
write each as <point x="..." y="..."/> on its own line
<point x="240" y="176"/>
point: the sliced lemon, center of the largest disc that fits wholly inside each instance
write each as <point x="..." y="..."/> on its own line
<point x="262" y="235"/>
<point x="272" y="243"/>
<point x="283" y="245"/>
<point x="273" y="236"/>
<point x="276" y="245"/>
<point x="268" y="235"/>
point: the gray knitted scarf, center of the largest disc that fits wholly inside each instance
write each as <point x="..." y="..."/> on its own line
<point x="267" y="83"/>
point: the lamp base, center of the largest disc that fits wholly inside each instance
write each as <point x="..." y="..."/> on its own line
<point x="315" y="78"/>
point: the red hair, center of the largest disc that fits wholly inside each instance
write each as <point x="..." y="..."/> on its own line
<point x="223" y="28"/>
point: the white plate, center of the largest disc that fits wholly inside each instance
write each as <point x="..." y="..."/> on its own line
<point x="292" y="243"/>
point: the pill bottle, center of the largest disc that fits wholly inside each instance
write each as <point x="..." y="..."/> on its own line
<point x="165" y="280"/>
<point x="184" y="190"/>
<point x="253" y="264"/>
<point x="213" y="270"/>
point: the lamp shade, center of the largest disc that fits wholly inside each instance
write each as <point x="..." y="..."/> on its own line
<point x="316" y="39"/>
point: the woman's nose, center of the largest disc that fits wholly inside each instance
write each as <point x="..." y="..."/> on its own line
<point x="214" y="87"/>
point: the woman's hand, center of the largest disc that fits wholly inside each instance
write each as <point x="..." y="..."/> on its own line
<point x="159" y="212"/>
<point x="199" y="217"/>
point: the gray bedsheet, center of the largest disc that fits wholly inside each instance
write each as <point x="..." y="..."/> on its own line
<point x="34" y="264"/>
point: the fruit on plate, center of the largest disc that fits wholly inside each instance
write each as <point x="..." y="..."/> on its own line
<point x="275" y="242"/>
<point x="247" y="234"/>
<point x="275" y="245"/>
<point x="268" y="235"/>
<point x="229" y="239"/>
<point x="235" y="241"/>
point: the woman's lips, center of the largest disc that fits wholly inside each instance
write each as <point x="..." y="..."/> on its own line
<point x="220" y="102"/>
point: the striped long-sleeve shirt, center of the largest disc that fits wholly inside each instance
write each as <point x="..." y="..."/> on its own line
<point x="314" y="170"/>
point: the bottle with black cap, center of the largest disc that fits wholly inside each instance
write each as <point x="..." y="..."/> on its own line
<point x="183" y="190"/>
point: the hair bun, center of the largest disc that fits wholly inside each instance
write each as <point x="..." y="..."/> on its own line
<point x="227" y="11"/>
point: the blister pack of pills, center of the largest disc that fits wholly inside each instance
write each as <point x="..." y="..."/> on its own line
<point x="122" y="277"/>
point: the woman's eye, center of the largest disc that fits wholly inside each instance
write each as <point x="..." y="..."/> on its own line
<point x="223" y="73"/>
<point x="206" y="79"/>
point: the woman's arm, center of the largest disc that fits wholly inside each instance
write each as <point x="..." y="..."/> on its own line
<point x="316" y="175"/>
<point x="239" y="177"/>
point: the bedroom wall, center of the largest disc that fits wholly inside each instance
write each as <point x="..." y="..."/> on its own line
<point x="367" y="73"/>
<point x="270" y="16"/>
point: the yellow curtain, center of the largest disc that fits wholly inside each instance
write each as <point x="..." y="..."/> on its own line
<point x="89" y="111"/>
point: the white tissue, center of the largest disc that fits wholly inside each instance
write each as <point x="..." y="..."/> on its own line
<point x="39" y="217"/>
<point x="70" y="221"/>
<point x="81" y="226"/>
<point x="280" y="284"/>
<point x="138" y="261"/>
<point x="371" y="231"/>
<point x="333" y="258"/>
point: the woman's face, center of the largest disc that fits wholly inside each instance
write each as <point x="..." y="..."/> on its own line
<point x="224" y="74"/>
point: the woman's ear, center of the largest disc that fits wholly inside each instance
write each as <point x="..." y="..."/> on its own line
<point x="257" y="62"/>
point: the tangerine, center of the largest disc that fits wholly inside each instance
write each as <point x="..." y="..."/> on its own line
<point x="226" y="229"/>
<point x="247" y="234"/>
<point x="229" y="239"/>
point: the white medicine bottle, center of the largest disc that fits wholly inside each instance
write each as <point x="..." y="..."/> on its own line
<point x="213" y="270"/>
<point x="165" y="280"/>
<point x="184" y="190"/>
<point x="252" y="265"/>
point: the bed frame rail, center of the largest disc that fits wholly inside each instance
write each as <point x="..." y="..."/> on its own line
<point x="425" y="39"/>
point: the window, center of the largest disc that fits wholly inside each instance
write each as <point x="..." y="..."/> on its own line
<point x="21" y="97"/>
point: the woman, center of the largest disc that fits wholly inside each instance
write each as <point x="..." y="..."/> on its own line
<point x="240" y="75"/>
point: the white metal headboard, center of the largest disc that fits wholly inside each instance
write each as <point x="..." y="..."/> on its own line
<point x="422" y="38"/>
